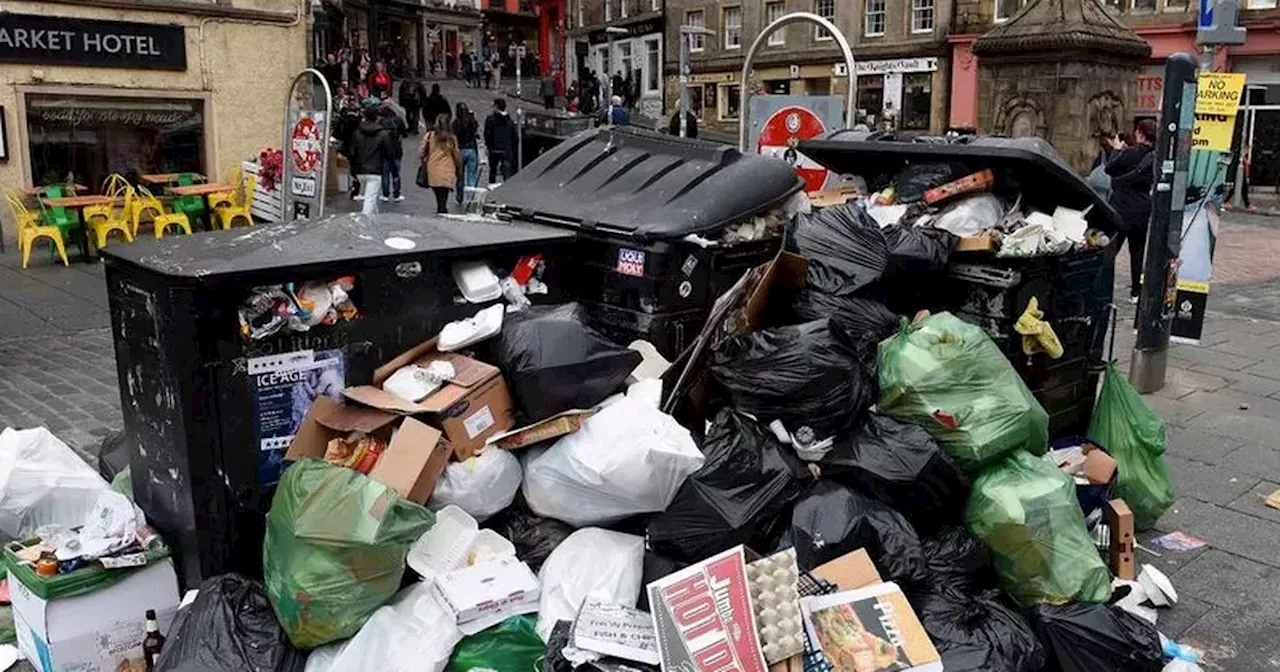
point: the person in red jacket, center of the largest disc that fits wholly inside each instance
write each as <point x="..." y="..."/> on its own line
<point x="380" y="79"/>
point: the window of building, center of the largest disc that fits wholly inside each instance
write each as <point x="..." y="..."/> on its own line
<point x="818" y="86"/>
<point x="1175" y="5"/>
<point x="697" y="19"/>
<point x="732" y="22"/>
<point x="1143" y="5"/>
<point x="1005" y="9"/>
<point x="921" y="16"/>
<point x="827" y="10"/>
<point x="875" y="18"/>
<point x="772" y="12"/>
<point x="1261" y="4"/>
<point x="730" y="95"/>
<point x="710" y="96"/>
<point x="622" y="6"/>
<point x="91" y="137"/>
<point x="653" y="65"/>
<point x="870" y="99"/>
<point x="917" y="100"/>
<point x="625" y="63"/>
<point x="608" y="10"/>
<point x="1113" y="5"/>
<point x="582" y="13"/>
<point x="655" y="5"/>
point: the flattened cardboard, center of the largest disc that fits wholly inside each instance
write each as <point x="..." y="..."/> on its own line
<point x="553" y="427"/>
<point x="979" y="243"/>
<point x="850" y="571"/>
<point x="1120" y="520"/>
<point x="1099" y="467"/>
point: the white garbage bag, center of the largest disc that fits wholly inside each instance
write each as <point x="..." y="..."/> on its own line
<point x="629" y="458"/>
<point x="412" y="633"/>
<point x="43" y="482"/>
<point x="481" y="485"/>
<point x="589" y="564"/>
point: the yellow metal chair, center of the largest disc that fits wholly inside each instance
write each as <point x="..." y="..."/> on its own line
<point x="225" y="199"/>
<point x="114" y="187"/>
<point x="244" y="206"/>
<point x="141" y="207"/>
<point x="159" y="222"/>
<point x="30" y="230"/>
<point x="120" y="222"/>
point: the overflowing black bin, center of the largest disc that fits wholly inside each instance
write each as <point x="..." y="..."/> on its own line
<point x="649" y="210"/>
<point x="193" y="401"/>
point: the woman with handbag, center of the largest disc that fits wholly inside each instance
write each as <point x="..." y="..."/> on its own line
<point x="441" y="162"/>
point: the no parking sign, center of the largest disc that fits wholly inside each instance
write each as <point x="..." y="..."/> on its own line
<point x="783" y="121"/>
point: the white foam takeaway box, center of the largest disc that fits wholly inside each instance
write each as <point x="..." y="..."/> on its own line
<point x="100" y="631"/>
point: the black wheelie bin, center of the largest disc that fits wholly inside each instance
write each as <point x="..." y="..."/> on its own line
<point x="660" y="224"/>
<point x="1074" y="290"/>
<point x="211" y="398"/>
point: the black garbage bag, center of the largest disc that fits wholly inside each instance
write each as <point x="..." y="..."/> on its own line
<point x="1086" y="637"/>
<point x="844" y="248"/>
<point x="914" y="180"/>
<point x="748" y="479"/>
<point x="917" y="250"/>
<point x="655" y="567"/>
<point x="833" y="520"/>
<point x="902" y="466"/>
<point x="533" y="536"/>
<point x="978" y="633"/>
<point x="554" y="362"/>
<point x="230" y="627"/>
<point x="861" y="319"/>
<point x="114" y="454"/>
<point x="805" y="375"/>
<point x="958" y="559"/>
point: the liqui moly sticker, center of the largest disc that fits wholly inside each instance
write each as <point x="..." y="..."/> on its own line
<point x="703" y="617"/>
<point x="631" y="262"/>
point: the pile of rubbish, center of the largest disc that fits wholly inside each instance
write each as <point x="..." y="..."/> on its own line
<point x="820" y="484"/>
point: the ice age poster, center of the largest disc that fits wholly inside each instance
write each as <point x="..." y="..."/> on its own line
<point x="283" y="387"/>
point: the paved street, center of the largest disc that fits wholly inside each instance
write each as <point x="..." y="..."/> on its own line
<point x="1222" y="404"/>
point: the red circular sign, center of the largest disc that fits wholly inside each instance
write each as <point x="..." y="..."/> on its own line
<point x="779" y="136"/>
<point x="307" y="146"/>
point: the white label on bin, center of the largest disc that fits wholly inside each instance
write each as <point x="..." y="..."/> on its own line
<point x="478" y="422"/>
<point x="303" y="186"/>
<point x="690" y="263"/>
<point x="631" y="262"/>
<point x="686" y="288"/>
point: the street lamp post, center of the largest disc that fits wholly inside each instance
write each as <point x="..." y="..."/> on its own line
<point x="608" y="67"/>
<point x="519" y="109"/>
<point x="686" y="47"/>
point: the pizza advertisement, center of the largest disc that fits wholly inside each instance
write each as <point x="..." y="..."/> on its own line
<point x="704" y="619"/>
<point x="873" y="629"/>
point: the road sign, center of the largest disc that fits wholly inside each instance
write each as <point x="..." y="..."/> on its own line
<point x="306" y="144"/>
<point x="1217" y="23"/>
<point x="786" y="120"/>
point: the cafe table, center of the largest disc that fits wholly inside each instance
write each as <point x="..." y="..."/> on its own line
<point x="79" y="203"/>
<point x="169" y="178"/>
<point x="203" y="191"/>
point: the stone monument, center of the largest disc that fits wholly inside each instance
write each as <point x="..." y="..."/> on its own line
<point x="1062" y="70"/>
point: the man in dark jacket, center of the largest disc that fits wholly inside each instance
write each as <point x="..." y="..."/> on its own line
<point x="370" y="151"/>
<point x="397" y="131"/>
<point x="411" y="103"/>
<point x="500" y="137"/>
<point x="1132" y="172"/>
<point x="434" y="106"/>
<point x="691" y="124"/>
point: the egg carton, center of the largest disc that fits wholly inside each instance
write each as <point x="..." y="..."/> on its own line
<point x="776" y="597"/>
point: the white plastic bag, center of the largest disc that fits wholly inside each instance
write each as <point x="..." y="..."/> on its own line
<point x="590" y="563"/>
<point x="971" y="216"/>
<point x="629" y="458"/>
<point x="481" y="485"/>
<point x="412" y="633"/>
<point x="43" y="482"/>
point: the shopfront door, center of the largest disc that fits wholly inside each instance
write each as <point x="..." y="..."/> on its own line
<point x="1265" y="168"/>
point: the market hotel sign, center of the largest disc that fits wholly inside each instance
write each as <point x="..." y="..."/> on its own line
<point x="28" y="38"/>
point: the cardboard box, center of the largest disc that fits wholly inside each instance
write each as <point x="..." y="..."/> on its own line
<point x="888" y="633"/>
<point x="830" y="197"/>
<point x="412" y="463"/>
<point x="472" y="407"/>
<point x="100" y="631"/>
<point x="505" y="585"/>
<point x="553" y="427"/>
<point x="1099" y="467"/>
<point x="1120" y="520"/>
<point x="979" y="243"/>
<point x="850" y="571"/>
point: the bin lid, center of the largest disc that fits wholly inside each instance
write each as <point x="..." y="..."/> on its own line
<point x="642" y="184"/>
<point x="338" y="243"/>
<point x="1027" y="165"/>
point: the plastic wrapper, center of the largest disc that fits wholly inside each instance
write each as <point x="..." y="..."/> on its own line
<point x="902" y="466"/>
<point x="43" y="482"/>
<point x="629" y="458"/>
<point x="861" y="319"/>
<point x="511" y="646"/>
<point x="844" y="248"/>
<point x="411" y="633"/>
<point x="335" y="549"/>
<point x="481" y="485"/>
<point x="533" y="536"/>
<point x="833" y="520"/>
<point x="917" y="250"/>
<point x="747" y="481"/>
<point x="296" y="307"/>
<point x="592" y="563"/>
<point x="228" y="628"/>
<point x="978" y="633"/>
<point x="1098" y="637"/>
<point x="1135" y="437"/>
<point x="947" y="375"/>
<point x="806" y="375"/>
<point x="971" y="216"/>
<point x="958" y="560"/>
<point x="1025" y="509"/>
<point x="554" y="362"/>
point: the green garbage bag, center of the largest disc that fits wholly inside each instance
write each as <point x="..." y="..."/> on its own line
<point x="1025" y="509"/>
<point x="947" y="376"/>
<point x="334" y="550"/>
<point x="8" y="633"/>
<point x="1134" y="435"/>
<point x="510" y="646"/>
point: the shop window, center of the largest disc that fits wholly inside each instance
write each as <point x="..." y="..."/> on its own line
<point x="917" y="100"/>
<point x="653" y="65"/>
<point x="697" y="19"/>
<point x="1143" y="5"/>
<point x="818" y="86"/>
<point x="921" y="16"/>
<point x="772" y="12"/>
<point x="695" y="101"/>
<point x="91" y="137"/>
<point x="732" y="21"/>
<point x="730" y="95"/>
<point x="1261" y="4"/>
<point x="1005" y="9"/>
<point x="710" y="96"/>
<point x="874" y="18"/>
<point x="777" y="87"/>
<point x="870" y="99"/>
<point x="827" y="10"/>
<point x="1175" y="5"/>
<point x="625" y="63"/>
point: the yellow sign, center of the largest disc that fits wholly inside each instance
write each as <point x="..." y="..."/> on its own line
<point x="1213" y="132"/>
<point x="1219" y="93"/>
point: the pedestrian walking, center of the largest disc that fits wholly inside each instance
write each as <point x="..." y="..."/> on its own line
<point x="434" y="106"/>
<point x="439" y="153"/>
<point x="468" y="75"/>
<point x="500" y="138"/>
<point x="380" y="81"/>
<point x="369" y="153"/>
<point x="411" y="103"/>
<point x="495" y="65"/>
<point x="619" y="115"/>
<point x="488" y="74"/>
<point x="466" y="130"/>
<point x="1131" y="172"/>
<point x="548" y="90"/>
<point x="397" y="131"/>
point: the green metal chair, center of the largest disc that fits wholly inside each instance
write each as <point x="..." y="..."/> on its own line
<point x="67" y="221"/>
<point x="191" y="206"/>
